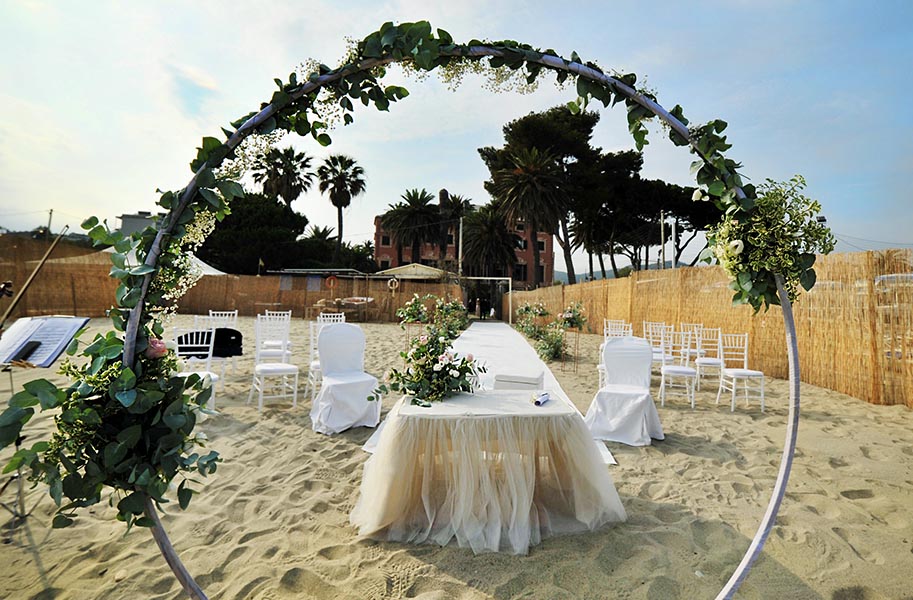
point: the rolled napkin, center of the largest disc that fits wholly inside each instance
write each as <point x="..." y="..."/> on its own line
<point x="541" y="399"/>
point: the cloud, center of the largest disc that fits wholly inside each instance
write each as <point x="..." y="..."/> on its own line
<point x="193" y="88"/>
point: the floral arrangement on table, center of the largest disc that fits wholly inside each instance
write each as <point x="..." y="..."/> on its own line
<point x="413" y="311"/>
<point x="572" y="317"/>
<point x="433" y="371"/>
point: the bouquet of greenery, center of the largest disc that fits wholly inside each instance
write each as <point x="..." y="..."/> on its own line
<point x="781" y="235"/>
<point x="550" y="343"/>
<point x="533" y="310"/>
<point x="413" y="311"/>
<point x="572" y="317"/>
<point x="432" y="371"/>
<point x="450" y="316"/>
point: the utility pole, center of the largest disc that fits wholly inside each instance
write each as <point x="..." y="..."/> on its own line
<point x="460" y="251"/>
<point x="50" y="215"/>
<point x="674" y="242"/>
<point x="662" y="237"/>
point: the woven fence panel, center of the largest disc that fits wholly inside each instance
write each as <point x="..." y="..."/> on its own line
<point x="252" y="295"/>
<point x="854" y="329"/>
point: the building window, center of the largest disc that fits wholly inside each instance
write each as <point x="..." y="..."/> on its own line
<point x="384" y="240"/>
<point x="519" y="272"/>
<point x="542" y="273"/>
<point x="520" y="227"/>
<point x="521" y="244"/>
<point x="541" y="245"/>
<point x="449" y="239"/>
<point x="384" y="264"/>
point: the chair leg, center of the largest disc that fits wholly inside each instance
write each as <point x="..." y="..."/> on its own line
<point x="735" y="386"/>
<point x="260" y="400"/>
<point x="762" y="393"/>
<point x="692" y="390"/>
<point x="662" y="389"/>
<point x="719" y="391"/>
<point x="253" y="384"/>
<point x="295" y="393"/>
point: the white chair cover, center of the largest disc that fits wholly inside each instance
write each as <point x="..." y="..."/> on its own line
<point x="623" y="409"/>
<point x="343" y="399"/>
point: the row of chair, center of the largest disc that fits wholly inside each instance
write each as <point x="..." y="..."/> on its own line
<point x="686" y="356"/>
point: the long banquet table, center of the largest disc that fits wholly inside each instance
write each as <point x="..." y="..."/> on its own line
<point x="490" y="469"/>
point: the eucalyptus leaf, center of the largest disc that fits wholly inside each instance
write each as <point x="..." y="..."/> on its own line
<point x="60" y="521"/>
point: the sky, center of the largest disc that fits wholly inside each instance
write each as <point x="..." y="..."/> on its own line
<point x="104" y="102"/>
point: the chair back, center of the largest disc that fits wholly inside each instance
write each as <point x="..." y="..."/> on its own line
<point x="733" y="350"/>
<point x="680" y="346"/>
<point x="331" y="317"/>
<point x="658" y="335"/>
<point x="194" y="348"/>
<point x="271" y="331"/>
<point x="616" y="328"/>
<point x="341" y="347"/>
<point x="627" y="361"/>
<point x="281" y="314"/>
<point x="224" y="318"/>
<point x="708" y="342"/>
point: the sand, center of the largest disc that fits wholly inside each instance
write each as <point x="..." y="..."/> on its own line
<point x="272" y="522"/>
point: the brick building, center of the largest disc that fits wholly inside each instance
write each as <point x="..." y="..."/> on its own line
<point x="385" y="255"/>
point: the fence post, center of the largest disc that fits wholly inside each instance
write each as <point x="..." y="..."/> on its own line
<point x="876" y="371"/>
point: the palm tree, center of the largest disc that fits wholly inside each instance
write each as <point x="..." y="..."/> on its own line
<point x="530" y="189"/>
<point x="341" y="176"/>
<point x="451" y="209"/>
<point x="324" y="234"/>
<point x="413" y="222"/>
<point x="284" y="173"/>
<point x="489" y="247"/>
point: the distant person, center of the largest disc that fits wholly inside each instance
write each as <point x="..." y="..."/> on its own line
<point x="491" y="313"/>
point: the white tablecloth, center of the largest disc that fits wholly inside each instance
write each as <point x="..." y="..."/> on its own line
<point x="503" y="351"/>
<point x="490" y="470"/>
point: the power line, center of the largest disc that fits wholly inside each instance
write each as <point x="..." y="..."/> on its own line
<point x="850" y="244"/>
<point x="843" y="235"/>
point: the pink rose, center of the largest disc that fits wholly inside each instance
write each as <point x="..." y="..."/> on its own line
<point x="156" y="349"/>
<point x="469" y="357"/>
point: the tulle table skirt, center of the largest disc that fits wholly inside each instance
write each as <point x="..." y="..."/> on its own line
<point x="490" y="470"/>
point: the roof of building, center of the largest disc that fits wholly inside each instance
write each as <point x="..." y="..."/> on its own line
<point x="416" y="271"/>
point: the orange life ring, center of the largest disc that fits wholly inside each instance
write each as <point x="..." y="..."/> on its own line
<point x="331" y="282"/>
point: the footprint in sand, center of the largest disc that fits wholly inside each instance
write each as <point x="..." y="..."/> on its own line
<point x="860" y="551"/>
<point x="857" y="494"/>
<point x="837" y="463"/>
<point x="873" y="453"/>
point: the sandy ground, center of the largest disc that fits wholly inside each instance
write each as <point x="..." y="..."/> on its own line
<point x="272" y="523"/>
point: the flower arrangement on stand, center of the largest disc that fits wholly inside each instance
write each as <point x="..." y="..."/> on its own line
<point x="550" y="344"/>
<point x="529" y="317"/>
<point x="413" y="311"/>
<point x="572" y="317"/>
<point x="432" y="371"/>
<point x="451" y="316"/>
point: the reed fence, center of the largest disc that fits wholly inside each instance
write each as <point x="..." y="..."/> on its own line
<point x="81" y="286"/>
<point x="855" y="328"/>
